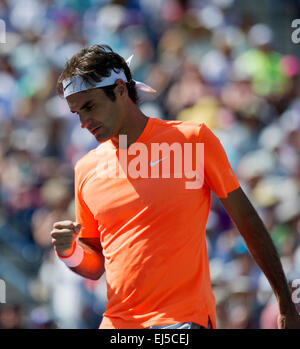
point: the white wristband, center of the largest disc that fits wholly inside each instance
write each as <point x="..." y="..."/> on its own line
<point x="75" y="259"/>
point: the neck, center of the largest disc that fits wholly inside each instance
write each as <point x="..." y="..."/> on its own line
<point x="133" y="127"/>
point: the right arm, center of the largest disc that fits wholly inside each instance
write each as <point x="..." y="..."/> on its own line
<point x="92" y="265"/>
<point x="63" y="238"/>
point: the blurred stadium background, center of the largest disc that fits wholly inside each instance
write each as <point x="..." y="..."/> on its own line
<point x="229" y="63"/>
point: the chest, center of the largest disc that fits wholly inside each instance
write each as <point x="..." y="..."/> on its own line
<point x="112" y="193"/>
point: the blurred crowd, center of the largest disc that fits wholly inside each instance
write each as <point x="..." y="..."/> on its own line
<point x="209" y="63"/>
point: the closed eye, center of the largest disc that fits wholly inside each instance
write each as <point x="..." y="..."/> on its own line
<point x="89" y="108"/>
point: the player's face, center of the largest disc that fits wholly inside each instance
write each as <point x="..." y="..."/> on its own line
<point x="101" y="116"/>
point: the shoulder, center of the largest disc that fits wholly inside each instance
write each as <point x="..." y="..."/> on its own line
<point x="187" y="130"/>
<point x="86" y="163"/>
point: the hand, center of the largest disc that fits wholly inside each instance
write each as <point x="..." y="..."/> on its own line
<point x="63" y="235"/>
<point x="289" y="321"/>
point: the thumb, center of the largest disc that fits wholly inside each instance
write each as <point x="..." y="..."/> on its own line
<point x="77" y="227"/>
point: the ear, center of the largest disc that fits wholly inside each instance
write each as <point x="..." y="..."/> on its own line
<point x="121" y="88"/>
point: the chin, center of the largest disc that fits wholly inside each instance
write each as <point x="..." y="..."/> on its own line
<point x="102" y="138"/>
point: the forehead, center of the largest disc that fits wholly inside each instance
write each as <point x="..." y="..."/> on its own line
<point x="77" y="100"/>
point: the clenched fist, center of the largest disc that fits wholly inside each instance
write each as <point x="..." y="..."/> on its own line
<point x="63" y="235"/>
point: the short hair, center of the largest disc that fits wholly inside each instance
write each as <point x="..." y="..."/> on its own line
<point x="92" y="64"/>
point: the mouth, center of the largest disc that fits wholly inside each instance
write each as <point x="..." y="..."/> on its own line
<point x="94" y="130"/>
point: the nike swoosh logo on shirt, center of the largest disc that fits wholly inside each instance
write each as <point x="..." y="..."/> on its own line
<point x="156" y="162"/>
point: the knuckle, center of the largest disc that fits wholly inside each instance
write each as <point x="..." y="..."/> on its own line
<point x="66" y="223"/>
<point x="61" y="232"/>
<point x="56" y="233"/>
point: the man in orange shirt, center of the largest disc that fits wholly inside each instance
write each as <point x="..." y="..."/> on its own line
<point x="141" y="218"/>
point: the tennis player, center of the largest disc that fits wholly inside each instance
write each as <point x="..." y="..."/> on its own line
<point x="147" y="232"/>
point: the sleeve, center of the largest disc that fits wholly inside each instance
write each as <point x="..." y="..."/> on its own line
<point x="218" y="174"/>
<point x="89" y="225"/>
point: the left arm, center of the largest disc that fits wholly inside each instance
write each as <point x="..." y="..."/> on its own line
<point x="262" y="248"/>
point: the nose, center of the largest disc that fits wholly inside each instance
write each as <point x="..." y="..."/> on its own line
<point x="84" y="123"/>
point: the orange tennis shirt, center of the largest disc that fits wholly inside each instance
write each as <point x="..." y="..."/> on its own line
<point x="151" y="228"/>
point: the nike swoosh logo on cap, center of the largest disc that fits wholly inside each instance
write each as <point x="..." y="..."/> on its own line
<point x="67" y="85"/>
<point x="156" y="162"/>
